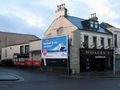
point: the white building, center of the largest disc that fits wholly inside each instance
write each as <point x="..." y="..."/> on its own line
<point x="89" y="43"/>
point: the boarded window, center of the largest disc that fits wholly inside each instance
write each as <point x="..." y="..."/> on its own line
<point x="60" y="31"/>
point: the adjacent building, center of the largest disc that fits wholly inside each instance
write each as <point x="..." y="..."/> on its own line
<point x="116" y="43"/>
<point x="9" y="51"/>
<point x="115" y="31"/>
<point x="7" y="39"/>
<point x="24" y="53"/>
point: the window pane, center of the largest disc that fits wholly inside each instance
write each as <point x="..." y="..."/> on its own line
<point x="102" y="42"/>
<point x="27" y="49"/>
<point x="96" y="23"/>
<point x="95" y="42"/>
<point x="96" y="26"/>
<point x="91" y="25"/>
<point x="115" y="40"/>
<point x="109" y="40"/>
<point x="21" y="49"/>
<point x="85" y="41"/>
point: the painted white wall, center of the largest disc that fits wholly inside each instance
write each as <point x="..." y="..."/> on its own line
<point x="78" y="38"/>
<point x="7" y="52"/>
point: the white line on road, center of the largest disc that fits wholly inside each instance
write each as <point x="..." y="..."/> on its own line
<point x="20" y="78"/>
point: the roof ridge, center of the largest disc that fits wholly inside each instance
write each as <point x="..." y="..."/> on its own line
<point x="18" y="33"/>
<point x="76" y="17"/>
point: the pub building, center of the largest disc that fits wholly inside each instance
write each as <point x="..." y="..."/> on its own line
<point x="90" y="45"/>
<point x="95" y="51"/>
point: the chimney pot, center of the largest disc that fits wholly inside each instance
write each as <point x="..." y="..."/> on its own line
<point x="93" y="16"/>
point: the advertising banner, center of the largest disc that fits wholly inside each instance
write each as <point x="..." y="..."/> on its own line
<point x="37" y="63"/>
<point x="56" y="47"/>
<point x="117" y="53"/>
<point x="28" y="63"/>
<point x="117" y="50"/>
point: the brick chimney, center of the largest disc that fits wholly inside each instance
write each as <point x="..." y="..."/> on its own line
<point x="61" y="11"/>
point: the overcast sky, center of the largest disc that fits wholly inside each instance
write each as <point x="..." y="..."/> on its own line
<point x="35" y="16"/>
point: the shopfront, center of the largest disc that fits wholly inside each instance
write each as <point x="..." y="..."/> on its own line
<point x="96" y="60"/>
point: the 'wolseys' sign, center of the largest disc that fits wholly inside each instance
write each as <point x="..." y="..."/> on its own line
<point x="96" y="52"/>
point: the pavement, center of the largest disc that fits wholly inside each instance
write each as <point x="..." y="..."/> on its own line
<point x="8" y="77"/>
<point x="12" y="77"/>
<point x="4" y="76"/>
<point x="92" y="75"/>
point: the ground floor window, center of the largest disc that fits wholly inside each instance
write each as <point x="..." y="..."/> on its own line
<point x="96" y="60"/>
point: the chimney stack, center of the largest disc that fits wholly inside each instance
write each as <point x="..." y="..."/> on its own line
<point x="93" y="16"/>
<point x="61" y="11"/>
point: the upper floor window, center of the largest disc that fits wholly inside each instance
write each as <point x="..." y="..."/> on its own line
<point x="102" y="42"/>
<point x="94" y="25"/>
<point x="109" y="42"/>
<point x="95" y="42"/>
<point x="91" y="24"/>
<point x="60" y="31"/>
<point x="85" y="44"/>
<point x="21" y="49"/>
<point x="49" y="34"/>
<point x="115" y="40"/>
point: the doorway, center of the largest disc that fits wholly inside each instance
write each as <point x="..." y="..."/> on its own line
<point x="99" y="64"/>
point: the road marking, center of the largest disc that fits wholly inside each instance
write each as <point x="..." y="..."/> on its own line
<point x="20" y="78"/>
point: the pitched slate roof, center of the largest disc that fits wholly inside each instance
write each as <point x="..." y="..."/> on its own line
<point x="105" y="25"/>
<point x="78" y="22"/>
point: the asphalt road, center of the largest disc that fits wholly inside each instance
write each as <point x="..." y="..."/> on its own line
<point x="37" y="80"/>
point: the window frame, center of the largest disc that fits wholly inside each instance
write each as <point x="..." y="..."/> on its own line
<point x="95" y="42"/>
<point x="86" y="41"/>
<point x="102" y="39"/>
<point x="21" y="49"/>
<point x="27" y="51"/>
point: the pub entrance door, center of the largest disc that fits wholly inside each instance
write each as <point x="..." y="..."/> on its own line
<point x="99" y="64"/>
<point x="92" y="64"/>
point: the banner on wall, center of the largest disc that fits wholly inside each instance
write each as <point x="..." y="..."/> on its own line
<point x="117" y="53"/>
<point x="56" y="47"/>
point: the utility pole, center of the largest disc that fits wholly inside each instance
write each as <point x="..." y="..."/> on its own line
<point x="6" y="41"/>
<point x="113" y="54"/>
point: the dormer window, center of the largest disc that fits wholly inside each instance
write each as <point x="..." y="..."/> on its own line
<point x="90" y="25"/>
<point x="94" y="24"/>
